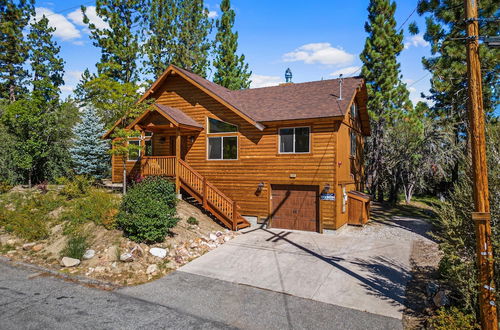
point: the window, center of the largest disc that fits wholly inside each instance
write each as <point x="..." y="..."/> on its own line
<point x="223" y="147"/>
<point x="353" y="144"/>
<point x="148" y="147"/>
<point x="354" y="111"/>
<point x="134" y="155"/>
<point x="294" y="140"/>
<point x="217" y="126"/>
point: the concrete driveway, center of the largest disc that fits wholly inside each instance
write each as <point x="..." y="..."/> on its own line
<point x="365" y="269"/>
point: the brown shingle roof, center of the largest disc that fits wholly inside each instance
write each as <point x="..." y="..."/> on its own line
<point x="316" y="99"/>
<point x="179" y="116"/>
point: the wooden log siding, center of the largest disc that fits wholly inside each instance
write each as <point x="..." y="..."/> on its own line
<point x="258" y="160"/>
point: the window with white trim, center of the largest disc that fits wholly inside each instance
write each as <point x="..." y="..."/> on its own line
<point x="294" y="140"/>
<point x="221" y="147"/>
<point x="354" y="111"/>
<point x="134" y="154"/>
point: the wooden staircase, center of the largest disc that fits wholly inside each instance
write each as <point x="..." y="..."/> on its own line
<point x="197" y="186"/>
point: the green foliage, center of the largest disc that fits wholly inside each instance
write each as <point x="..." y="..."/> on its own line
<point x="193" y="221"/>
<point x="453" y="318"/>
<point x="231" y="70"/>
<point x="27" y="216"/>
<point x="148" y="210"/>
<point x="5" y="187"/>
<point x="75" y="246"/>
<point x="46" y="66"/>
<point x="456" y="233"/>
<point x="97" y="206"/>
<point x="193" y="45"/>
<point x="119" y="42"/>
<point x="76" y="187"/>
<point x="14" y="17"/>
<point x="89" y="151"/>
<point x="388" y="98"/>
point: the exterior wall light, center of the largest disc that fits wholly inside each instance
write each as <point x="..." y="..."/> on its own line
<point x="326" y="189"/>
<point x="260" y="186"/>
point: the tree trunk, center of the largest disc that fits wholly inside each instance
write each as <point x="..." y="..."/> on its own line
<point x="29" y="179"/>
<point x="124" y="184"/>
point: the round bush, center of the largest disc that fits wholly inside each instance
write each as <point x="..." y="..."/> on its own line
<point x="147" y="212"/>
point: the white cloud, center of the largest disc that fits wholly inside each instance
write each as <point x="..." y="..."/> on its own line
<point x="347" y="71"/>
<point x="65" y="30"/>
<point x="416" y="41"/>
<point x="77" y="18"/>
<point x="212" y="14"/>
<point x="73" y="75"/>
<point x="264" y="81"/>
<point x="67" y="88"/>
<point x="322" y="53"/>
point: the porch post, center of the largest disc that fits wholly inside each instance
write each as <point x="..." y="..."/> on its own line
<point x="177" y="158"/>
<point x="143" y="152"/>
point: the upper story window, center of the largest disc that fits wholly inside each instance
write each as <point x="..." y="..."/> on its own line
<point x="354" y="111"/>
<point x="353" y="143"/>
<point x="218" y="126"/>
<point x="135" y="154"/>
<point x="222" y="147"/>
<point x="294" y="140"/>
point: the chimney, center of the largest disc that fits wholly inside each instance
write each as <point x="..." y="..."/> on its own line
<point x="288" y="78"/>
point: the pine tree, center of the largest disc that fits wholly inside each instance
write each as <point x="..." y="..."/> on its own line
<point x="119" y="43"/>
<point x="193" y="45"/>
<point x="160" y="20"/>
<point x="231" y="70"/>
<point x="46" y="66"/>
<point x="387" y="95"/>
<point x="14" y="17"/>
<point x="89" y="150"/>
<point x="445" y="31"/>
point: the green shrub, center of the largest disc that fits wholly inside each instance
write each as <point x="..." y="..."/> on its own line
<point x="5" y="187"/>
<point x="98" y="206"/>
<point x="76" y="187"/>
<point x="193" y="221"/>
<point x="453" y="318"/>
<point x="75" y="246"/>
<point x="27" y="216"/>
<point x="147" y="212"/>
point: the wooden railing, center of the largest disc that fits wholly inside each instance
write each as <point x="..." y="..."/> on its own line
<point x="211" y="198"/>
<point x="158" y="165"/>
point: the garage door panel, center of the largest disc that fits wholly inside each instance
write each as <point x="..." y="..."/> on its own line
<point x="295" y="207"/>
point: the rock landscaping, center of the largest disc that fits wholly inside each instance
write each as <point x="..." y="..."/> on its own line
<point x="109" y="256"/>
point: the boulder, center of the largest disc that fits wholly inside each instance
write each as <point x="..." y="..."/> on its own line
<point x="158" y="252"/>
<point x="137" y="251"/>
<point x="213" y="237"/>
<point x="126" y="257"/>
<point x="69" y="262"/>
<point x="12" y="241"/>
<point x="89" y="254"/>
<point x="227" y="238"/>
<point x="152" y="269"/>
<point x="441" y="299"/>
<point x="37" y="248"/>
<point x="28" y="246"/>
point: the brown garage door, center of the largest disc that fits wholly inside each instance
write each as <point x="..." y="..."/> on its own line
<point x="295" y="207"/>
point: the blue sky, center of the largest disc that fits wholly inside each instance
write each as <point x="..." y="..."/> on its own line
<point x="316" y="39"/>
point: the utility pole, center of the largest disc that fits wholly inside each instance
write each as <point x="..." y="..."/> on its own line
<point x="481" y="216"/>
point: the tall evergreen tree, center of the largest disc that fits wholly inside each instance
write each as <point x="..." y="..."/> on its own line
<point x="14" y="17"/>
<point x="388" y="96"/>
<point x="445" y="31"/>
<point x="89" y="150"/>
<point x="160" y="20"/>
<point x="46" y="66"/>
<point x="193" y="45"/>
<point x="119" y="43"/>
<point x="231" y="70"/>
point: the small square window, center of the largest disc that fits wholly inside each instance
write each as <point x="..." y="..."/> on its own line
<point x="223" y="147"/>
<point x="294" y="140"/>
<point x="134" y="154"/>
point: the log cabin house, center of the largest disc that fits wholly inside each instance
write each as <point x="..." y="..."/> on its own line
<point x="285" y="156"/>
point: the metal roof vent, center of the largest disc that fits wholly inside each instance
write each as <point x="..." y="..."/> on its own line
<point x="288" y="75"/>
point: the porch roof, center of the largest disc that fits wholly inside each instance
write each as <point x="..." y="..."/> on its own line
<point x="175" y="116"/>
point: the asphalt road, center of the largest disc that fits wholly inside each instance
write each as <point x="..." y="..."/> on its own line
<point x="29" y="300"/>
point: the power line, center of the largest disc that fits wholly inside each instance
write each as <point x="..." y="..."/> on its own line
<point x="406" y="20"/>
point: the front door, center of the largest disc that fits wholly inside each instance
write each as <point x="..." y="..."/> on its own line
<point x="184" y="146"/>
<point x="295" y="207"/>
